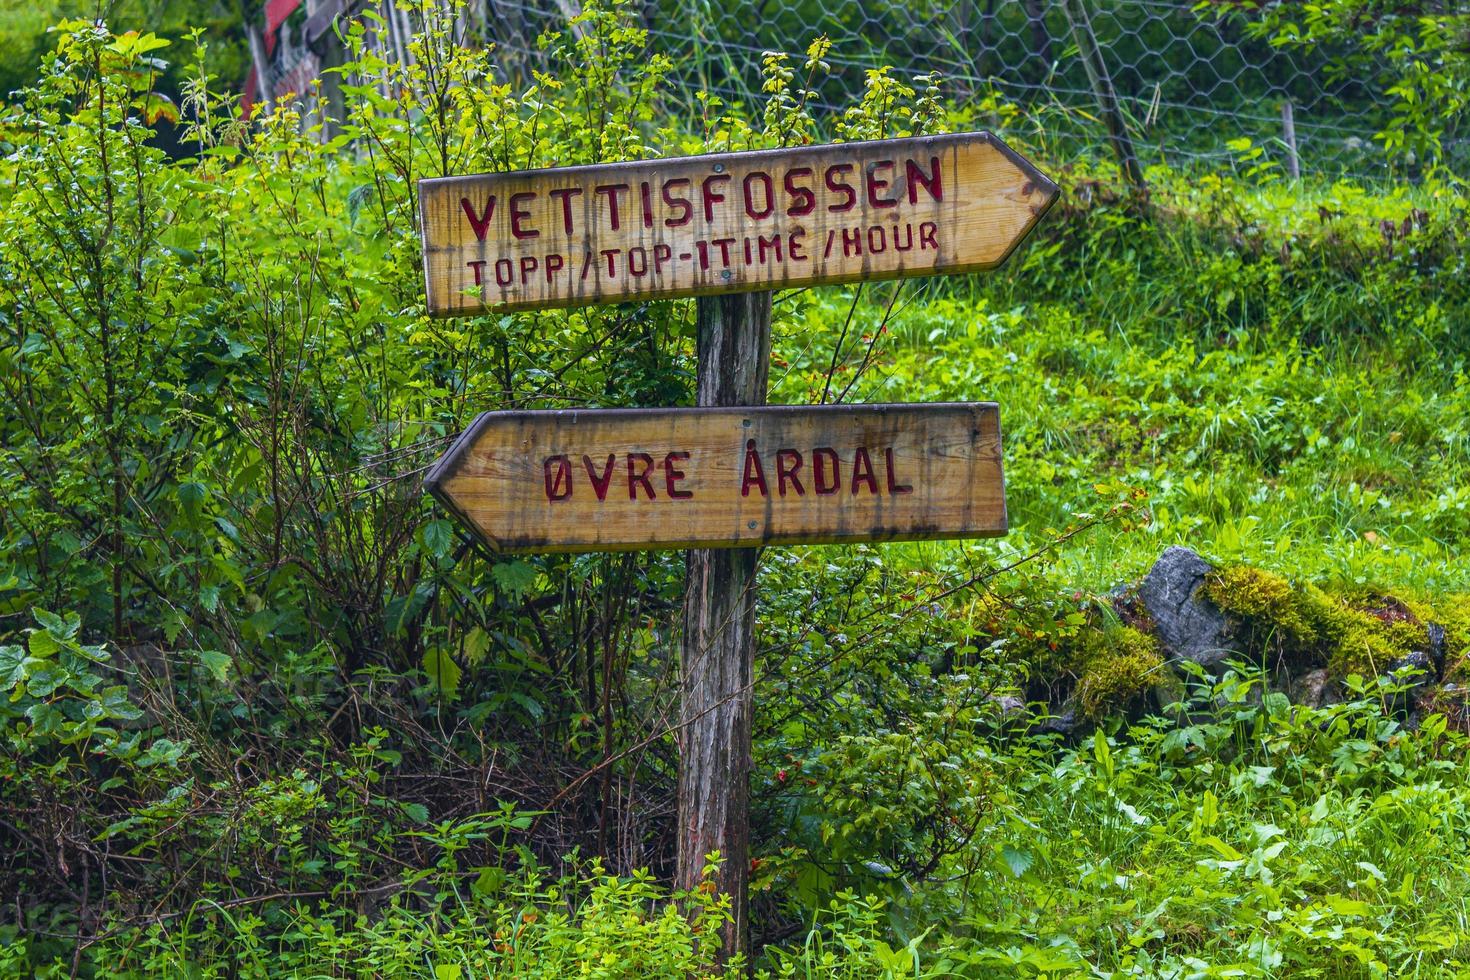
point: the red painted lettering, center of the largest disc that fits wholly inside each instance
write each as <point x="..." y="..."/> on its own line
<point x="903" y="244"/>
<point x="894" y="487"/>
<point x="680" y="203"/>
<point x="611" y="192"/>
<point x="600" y="482"/>
<point x="519" y="214"/>
<point x="566" y="194"/>
<point x="877" y="240"/>
<point x="768" y="194"/>
<point x="862" y="472"/>
<point x="712" y="196"/>
<point x="852" y="241"/>
<point x="821" y="459"/>
<point x="636" y="478"/>
<point x="661" y="253"/>
<point x="928" y="235"/>
<point x="753" y="475"/>
<point x="479" y="266"/>
<point x="638" y="261"/>
<point x="672" y="476"/>
<point x="557" y="472"/>
<point x="529" y="265"/>
<point x="645" y="197"/>
<point x="482" y="223"/>
<point x="505" y="272"/>
<point x="788" y="464"/>
<point x="723" y="244"/>
<point x="554" y="264"/>
<point x="876" y="184"/>
<point x="838" y="186"/>
<point x="803" y="201"/>
<point x="930" y="181"/>
<point x="773" y="245"/>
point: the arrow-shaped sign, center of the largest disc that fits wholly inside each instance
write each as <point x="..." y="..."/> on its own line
<point x="732" y="222"/>
<point x="610" y="480"/>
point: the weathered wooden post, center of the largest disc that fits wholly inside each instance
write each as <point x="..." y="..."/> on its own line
<point x="1288" y="136"/>
<point x="732" y="475"/>
<point x="717" y="664"/>
<point x="1102" y="89"/>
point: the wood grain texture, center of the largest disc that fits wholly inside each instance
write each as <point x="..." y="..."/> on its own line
<point x="686" y="478"/>
<point x="717" y="649"/>
<point x="726" y="223"/>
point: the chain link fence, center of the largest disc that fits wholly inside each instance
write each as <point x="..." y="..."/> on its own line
<point x="1189" y="79"/>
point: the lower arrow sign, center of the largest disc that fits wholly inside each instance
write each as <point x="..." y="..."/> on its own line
<point x="630" y="479"/>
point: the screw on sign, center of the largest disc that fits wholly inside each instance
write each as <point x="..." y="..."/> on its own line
<point x="730" y="476"/>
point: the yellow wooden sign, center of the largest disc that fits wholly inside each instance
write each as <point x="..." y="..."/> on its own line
<point x="623" y="479"/>
<point x="730" y="222"/>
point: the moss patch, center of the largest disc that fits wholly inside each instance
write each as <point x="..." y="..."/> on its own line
<point x="1116" y="666"/>
<point x="1351" y="631"/>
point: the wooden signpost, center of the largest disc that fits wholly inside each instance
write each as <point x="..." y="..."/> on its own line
<point x="733" y="222"/>
<point x="730" y="476"/>
<point x="617" y="480"/>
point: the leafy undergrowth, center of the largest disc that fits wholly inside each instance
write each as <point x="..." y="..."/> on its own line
<point x="1262" y="840"/>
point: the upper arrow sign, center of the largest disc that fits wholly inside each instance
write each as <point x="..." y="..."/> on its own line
<point x="731" y="222"/>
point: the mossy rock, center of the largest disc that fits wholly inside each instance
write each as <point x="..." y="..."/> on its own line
<point x="1350" y="631"/>
<point x="1117" y="666"/>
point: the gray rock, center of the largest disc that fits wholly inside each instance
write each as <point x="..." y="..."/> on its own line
<point x="1415" y="668"/>
<point x="1313" y="689"/>
<point x="1436" y="644"/>
<point x="1062" y="720"/>
<point x="1188" y="626"/>
<point x="1009" y="705"/>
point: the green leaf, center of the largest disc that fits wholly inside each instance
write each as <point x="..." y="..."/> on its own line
<point x="156" y="106"/>
<point x="1223" y="849"/>
<point x="530" y="705"/>
<point x="443" y="672"/>
<point x="115" y="700"/>
<point x="1348" y="906"/>
<point x="438" y="537"/>
<point x="62" y="629"/>
<point x="218" y="664"/>
<point x="12" y="666"/>
<point x="514" y="578"/>
<point x="416" y="812"/>
<point x="489" y="882"/>
<point x="43" y="644"/>
<point x="191" y="497"/>
<point x="1103" y="753"/>
<point x="1017" y="860"/>
<point x="44" y="682"/>
<point x="476" y="644"/>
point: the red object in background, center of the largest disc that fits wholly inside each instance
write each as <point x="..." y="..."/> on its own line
<point x="276" y="12"/>
<point x="251" y="91"/>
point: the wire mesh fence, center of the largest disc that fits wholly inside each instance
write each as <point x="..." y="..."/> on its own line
<point x="1190" y="80"/>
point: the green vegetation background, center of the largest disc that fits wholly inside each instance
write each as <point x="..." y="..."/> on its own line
<point x="267" y="712"/>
